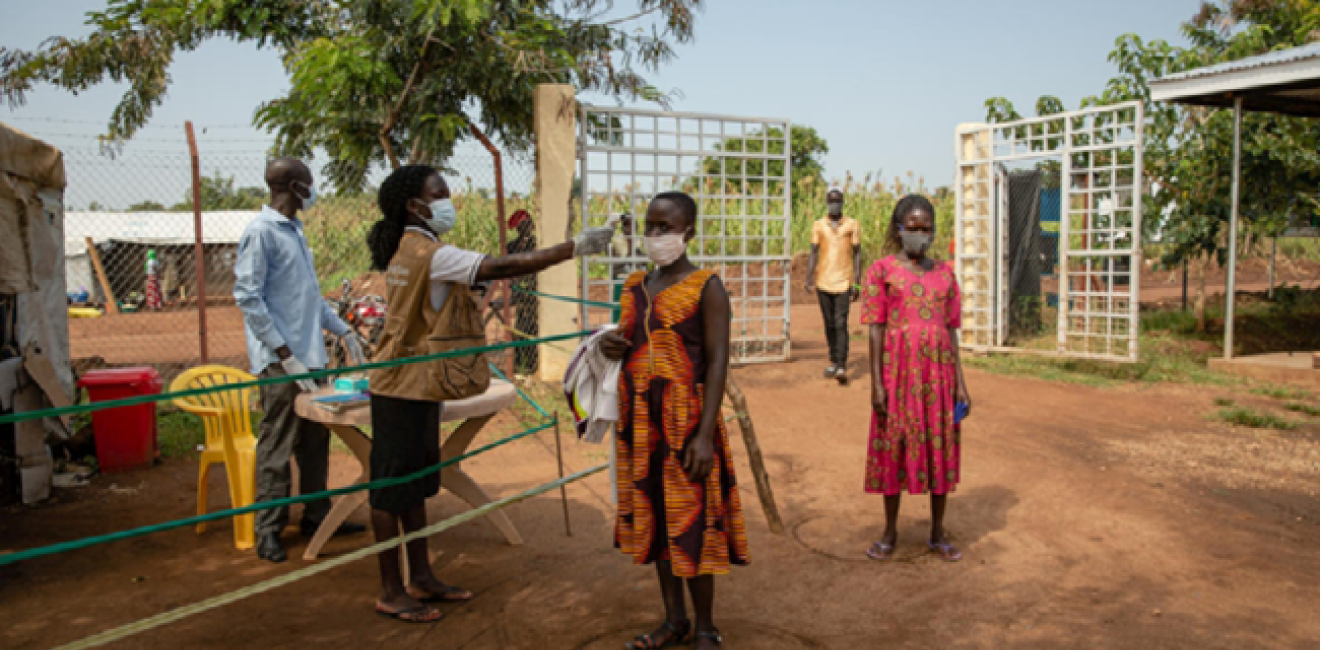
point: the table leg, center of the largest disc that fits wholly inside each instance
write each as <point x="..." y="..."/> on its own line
<point x="360" y="445"/>
<point x="454" y="479"/>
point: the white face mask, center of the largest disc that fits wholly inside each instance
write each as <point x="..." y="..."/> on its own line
<point x="309" y="200"/>
<point x="443" y="216"/>
<point x="664" y="250"/>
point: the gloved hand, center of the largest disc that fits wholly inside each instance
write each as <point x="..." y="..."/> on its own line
<point x="354" y="349"/>
<point x="594" y="241"/>
<point x="293" y="366"/>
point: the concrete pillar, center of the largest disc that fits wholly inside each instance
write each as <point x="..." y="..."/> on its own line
<point x="556" y="164"/>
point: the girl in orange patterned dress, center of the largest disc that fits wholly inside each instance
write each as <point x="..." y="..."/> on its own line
<point x="678" y="500"/>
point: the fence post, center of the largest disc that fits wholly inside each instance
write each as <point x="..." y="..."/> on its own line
<point x="504" y="234"/>
<point x="198" y="250"/>
<point x="556" y="161"/>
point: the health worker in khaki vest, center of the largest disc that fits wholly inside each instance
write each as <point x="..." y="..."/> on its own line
<point x="430" y="311"/>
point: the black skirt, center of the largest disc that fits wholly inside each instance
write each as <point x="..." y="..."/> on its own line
<point x="405" y="438"/>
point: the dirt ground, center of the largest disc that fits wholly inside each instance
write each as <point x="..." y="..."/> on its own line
<point x="1090" y="518"/>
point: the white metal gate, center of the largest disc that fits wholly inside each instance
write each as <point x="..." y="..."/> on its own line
<point x="738" y="171"/>
<point x="1084" y="167"/>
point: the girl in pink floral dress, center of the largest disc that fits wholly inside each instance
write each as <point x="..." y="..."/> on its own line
<point x="913" y="307"/>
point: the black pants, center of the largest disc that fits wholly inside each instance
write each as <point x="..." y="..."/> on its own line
<point x="834" y="312"/>
<point x="284" y="435"/>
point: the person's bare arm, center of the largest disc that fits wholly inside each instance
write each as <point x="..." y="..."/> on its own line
<point x="960" y="393"/>
<point x="878" y="395"/>
<point x="516" y="264"/>
<point x="716" y="320"/>
<point x="811" y="268"/>
<point x="857" y="272"/>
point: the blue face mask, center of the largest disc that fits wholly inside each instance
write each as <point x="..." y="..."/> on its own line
<point x="443" y="216"/>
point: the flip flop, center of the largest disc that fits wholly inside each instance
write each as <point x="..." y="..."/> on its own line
<point x="422" y="614"/>
<point x="713" y="635"/>
<point x="946" y="551"/>
<point x="677" y="636"/>
<point x="880" y="552"/>
<point x="451" y="594"/>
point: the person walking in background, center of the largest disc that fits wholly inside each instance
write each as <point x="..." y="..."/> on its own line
<point x="431" y="310"/>
<point x="276" y="288"/>
<point x="678" y="503"/>
<point x="525" y="305"/>
<point x="918" y="393"/>
<point x="833" y="271"/>
<point x="153" y="282"/>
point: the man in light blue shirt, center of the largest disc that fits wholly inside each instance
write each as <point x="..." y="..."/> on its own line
<point x="283" y="315"/>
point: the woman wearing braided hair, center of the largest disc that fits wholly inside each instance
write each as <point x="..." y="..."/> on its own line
<point x="913" y="306"/>
<point x="430" y="310"/>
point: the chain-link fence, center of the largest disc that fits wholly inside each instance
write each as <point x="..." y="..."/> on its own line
<point x="131" y="246"/>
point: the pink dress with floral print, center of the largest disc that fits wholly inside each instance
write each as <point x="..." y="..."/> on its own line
<point x="919" y="446"/>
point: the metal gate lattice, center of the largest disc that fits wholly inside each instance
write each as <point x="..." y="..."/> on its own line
<point x="738" y="171"/>
<point x="1048" y="233"/>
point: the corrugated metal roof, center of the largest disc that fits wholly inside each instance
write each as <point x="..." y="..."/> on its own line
<point x="1278" y="57"/>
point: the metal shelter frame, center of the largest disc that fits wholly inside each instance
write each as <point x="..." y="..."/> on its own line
<point x="738" y="169"/>
<point x="1285" y="82"/>
<point x="1099" y="150"/>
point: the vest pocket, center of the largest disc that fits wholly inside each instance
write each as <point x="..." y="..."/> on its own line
<point x="458" y="377"/>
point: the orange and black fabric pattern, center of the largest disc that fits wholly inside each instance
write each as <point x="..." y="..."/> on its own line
<point x="662" y="515"/>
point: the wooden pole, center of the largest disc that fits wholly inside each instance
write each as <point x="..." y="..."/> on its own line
<point x="198" y="251"/>
<point x="754" y="457"/>
<point x="111" y="304"/>
<point x="563" y="493"/>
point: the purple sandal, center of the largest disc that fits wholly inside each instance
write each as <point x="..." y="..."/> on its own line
<point x="946" y="551"/>
<point x="880" y="552"/>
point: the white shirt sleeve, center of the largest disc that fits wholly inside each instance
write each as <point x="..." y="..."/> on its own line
<point x="452" y="264"/>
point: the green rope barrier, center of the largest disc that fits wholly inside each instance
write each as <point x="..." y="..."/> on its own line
<point x="315" y="374"/>
<point x="521" y="394"/>
<point x="551" y="296"/>
<point x="165" y="618"/>
<point x="63" y="547"/>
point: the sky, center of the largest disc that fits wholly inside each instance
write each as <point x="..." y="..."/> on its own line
<point x="884" y="82"/>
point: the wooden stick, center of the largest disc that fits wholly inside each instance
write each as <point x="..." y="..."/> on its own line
<point x="563" y="493"/>
<point x="111" y="305"/>
<point x="754" y="457"/>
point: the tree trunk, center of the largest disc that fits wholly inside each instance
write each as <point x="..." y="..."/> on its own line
<point x="1201" y="264"/>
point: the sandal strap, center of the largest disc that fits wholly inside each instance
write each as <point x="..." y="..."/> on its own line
<point x="713" y="635"/>
<point x="678" y="633"/>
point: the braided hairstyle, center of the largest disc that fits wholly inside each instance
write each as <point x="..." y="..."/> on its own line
<point x="402" y="185"/>
<point x="907" y="204"/>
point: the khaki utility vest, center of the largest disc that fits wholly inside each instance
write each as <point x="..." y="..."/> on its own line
<point x="413" y="328"/>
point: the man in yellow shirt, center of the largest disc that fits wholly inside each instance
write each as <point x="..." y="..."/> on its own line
<point x="834" y="271"/>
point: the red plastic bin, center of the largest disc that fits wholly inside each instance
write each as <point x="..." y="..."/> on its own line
<point x="126" y="435"/>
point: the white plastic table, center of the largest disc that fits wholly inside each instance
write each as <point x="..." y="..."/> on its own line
<point x="474" y="413"/>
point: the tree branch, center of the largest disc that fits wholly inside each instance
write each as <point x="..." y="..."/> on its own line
<point x="393" y="117"/>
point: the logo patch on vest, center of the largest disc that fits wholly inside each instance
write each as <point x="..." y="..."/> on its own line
<point x="397" y="276"/>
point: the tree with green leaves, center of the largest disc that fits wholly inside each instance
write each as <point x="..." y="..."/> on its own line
<point x="372" y="81"/>
<point x="218" y="193"/>
<point x="806" y="149"/>
<point x="146" y="206"/>
<point x="1188" y="149"/>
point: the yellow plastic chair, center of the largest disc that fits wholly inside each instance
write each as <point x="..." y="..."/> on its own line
<point x="229" y="440"/>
